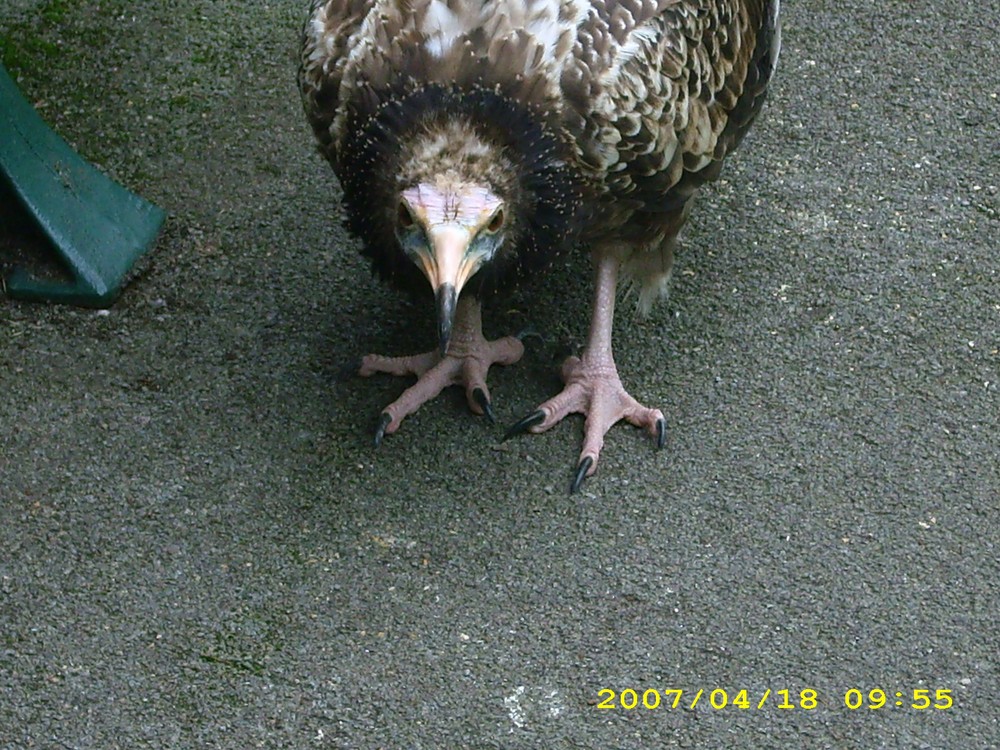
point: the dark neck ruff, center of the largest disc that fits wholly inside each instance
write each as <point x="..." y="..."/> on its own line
<point x="549" y="200"/>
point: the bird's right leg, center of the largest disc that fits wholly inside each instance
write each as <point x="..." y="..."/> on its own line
<point x="466" y="363"/>
<point x="593" y="387"/>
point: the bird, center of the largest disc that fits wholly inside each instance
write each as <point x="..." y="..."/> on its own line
<point x="477" y="141"/>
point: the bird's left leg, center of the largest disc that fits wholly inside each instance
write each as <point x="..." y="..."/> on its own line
<point x="593" y="387"/>
<point x="466" y="363"/>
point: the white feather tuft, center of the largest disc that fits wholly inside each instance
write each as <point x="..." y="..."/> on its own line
<point x="647" y="271"/>
<point x="649" y="285"/>
<point x="442" y="28"/>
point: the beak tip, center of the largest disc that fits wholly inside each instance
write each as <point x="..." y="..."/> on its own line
<point x="446" y="297"/>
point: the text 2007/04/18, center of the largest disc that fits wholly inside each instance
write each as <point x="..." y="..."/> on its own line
<point x="917" y="699"/>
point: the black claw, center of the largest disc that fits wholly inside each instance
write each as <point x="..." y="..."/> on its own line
<point x="383" y="422"/>
<point x="484" y="403"/>
<point x="581" y="473"/>
<point x="348" y="371"/>
<point x="525" y="424"/>
<point x="661" y="432"/>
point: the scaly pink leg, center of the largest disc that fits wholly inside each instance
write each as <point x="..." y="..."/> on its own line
<point x="467" y="362"/>
<point x="593" y="387"/>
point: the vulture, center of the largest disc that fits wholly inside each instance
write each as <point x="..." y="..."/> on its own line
<point x="476" y="141"/>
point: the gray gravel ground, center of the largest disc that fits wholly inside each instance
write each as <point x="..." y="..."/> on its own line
<point x="201" y="548"/>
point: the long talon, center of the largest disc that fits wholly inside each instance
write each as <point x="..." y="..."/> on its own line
<point x="383" y="422"/>
<point x="581" y="473"/>
<point x="661" y="432"/>
<point x="484" y="403"/>
<point x="525" y="424"/>
<point x="348" y="371"/>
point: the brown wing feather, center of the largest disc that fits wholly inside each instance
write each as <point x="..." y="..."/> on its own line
<point x="663" y="90"/>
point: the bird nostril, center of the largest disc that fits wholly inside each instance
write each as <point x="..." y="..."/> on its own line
<point x="403" y="216"/>
<point x="496" y="222"/>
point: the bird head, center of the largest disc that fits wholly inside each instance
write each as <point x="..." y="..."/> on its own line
<point x="450" y="229"/>
<point x="459" y="189"/>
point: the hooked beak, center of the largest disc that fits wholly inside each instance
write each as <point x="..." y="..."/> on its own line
<point x="447" y="267"/>
<point x="445" y="296"/>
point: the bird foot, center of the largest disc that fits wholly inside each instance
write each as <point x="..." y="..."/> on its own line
<point x="467" y="363"/>
<point x="593" y="389"/>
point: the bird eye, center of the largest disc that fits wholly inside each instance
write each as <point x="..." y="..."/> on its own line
<point x="496" y="222"/>
<point x="403" y="216"/>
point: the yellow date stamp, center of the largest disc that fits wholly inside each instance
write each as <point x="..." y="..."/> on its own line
<point x="806" y="699"/>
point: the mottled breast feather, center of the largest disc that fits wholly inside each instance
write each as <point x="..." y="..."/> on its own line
<point x="359" y="54"/>
<point x="651" y="94"/>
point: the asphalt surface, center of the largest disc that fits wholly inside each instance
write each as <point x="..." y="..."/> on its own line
<point x="200" y="547"/>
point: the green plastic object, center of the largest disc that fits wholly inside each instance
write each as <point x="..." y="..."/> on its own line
<point x="97" y="227"/>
